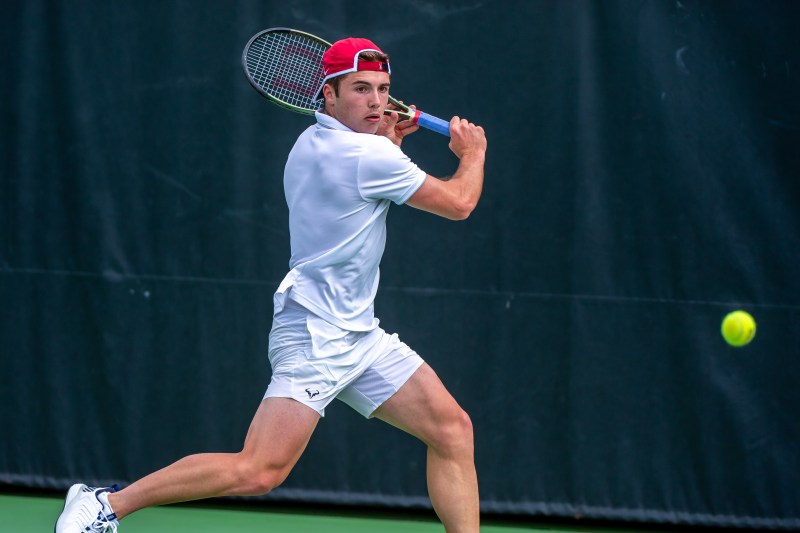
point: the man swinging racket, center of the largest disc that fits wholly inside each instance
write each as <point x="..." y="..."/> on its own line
<point x="340" y="179"/>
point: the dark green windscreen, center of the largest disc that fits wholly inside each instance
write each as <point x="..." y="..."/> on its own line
<point x="642" y="180"/>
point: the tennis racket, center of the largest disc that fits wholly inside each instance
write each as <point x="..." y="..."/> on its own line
<point x="285" y="65"/>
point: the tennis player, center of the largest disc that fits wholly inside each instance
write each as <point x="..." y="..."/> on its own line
<point x="340" y="179"/>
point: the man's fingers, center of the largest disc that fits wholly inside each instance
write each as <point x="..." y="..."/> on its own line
<point x="408" y="127"/>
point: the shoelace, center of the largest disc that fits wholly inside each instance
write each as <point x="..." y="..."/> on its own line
<point x="102" y="525"/>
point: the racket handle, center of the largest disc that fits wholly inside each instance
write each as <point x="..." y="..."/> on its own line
<point x="432" y="123"/>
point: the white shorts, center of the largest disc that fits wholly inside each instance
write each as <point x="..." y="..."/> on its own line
<point x="314" y="362"/>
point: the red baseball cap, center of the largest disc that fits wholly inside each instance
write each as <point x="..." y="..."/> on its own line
<point x="342" y="58"/>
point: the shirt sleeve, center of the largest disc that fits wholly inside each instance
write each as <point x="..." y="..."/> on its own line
<point x="385" y="172"/>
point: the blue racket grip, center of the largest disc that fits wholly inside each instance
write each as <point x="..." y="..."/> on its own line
<point x="433" y="123"/>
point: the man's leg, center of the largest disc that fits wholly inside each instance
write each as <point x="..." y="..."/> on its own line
<point x="277" y="437"/>
<point x="424" y="408"/>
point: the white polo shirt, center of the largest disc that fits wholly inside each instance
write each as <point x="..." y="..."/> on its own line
<point x="339" y="185"/>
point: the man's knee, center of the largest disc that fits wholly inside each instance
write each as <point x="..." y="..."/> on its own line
<point x="455" y="434"/>
<point x="256" y="479"/>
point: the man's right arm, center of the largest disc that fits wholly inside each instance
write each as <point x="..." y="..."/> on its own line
<point x="457" y="197"/>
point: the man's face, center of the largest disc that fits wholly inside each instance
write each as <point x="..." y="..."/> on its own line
<point x="362" y="98"/>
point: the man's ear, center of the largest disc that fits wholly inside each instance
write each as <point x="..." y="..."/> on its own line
<point x="328" y="93"/>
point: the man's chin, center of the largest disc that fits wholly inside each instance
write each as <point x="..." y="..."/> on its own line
<point x="368" y="127"/>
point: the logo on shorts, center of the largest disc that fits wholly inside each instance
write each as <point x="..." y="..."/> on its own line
<point x="312" y="393"/>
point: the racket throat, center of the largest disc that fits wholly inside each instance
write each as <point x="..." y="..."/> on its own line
<point x="413" y="116"/>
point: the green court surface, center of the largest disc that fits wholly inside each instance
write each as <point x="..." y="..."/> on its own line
<point x="25" y="513"/>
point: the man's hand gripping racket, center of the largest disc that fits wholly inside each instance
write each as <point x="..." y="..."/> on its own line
<point x="285" y="65"/>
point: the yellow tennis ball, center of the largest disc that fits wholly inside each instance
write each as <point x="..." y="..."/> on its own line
<point x="738" y="328"/>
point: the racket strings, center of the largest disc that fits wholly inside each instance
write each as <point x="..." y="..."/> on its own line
<point x="287" y="67"/>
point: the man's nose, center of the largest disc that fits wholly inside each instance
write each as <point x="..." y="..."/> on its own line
<point x="374" y="99"/>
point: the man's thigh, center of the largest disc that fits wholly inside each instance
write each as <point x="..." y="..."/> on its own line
<point x="279" y="432"/>
<point x="422" y="406"/>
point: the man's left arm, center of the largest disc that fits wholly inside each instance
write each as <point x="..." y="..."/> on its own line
<point x="456" y="197"/>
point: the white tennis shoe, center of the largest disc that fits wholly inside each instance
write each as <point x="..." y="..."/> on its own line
<point x="86" y="510"/>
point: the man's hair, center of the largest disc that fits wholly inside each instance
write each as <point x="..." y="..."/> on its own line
<point x="363" y="56"/>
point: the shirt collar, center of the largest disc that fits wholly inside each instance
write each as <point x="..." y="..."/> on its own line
<point x="327" y="121"/>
